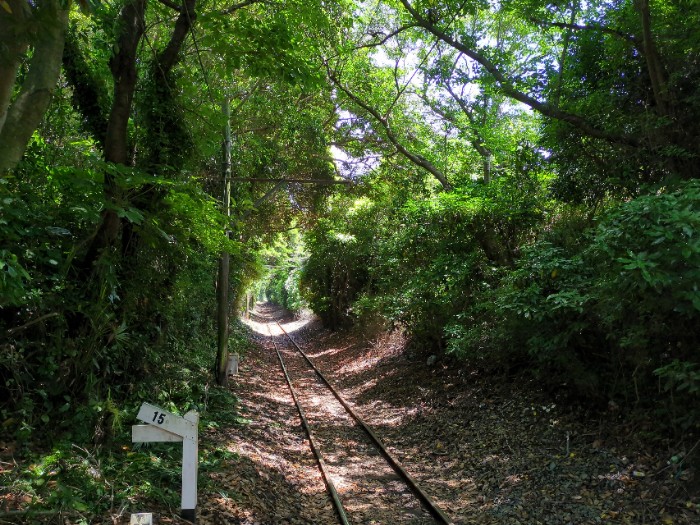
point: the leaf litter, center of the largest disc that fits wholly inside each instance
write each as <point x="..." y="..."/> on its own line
<point x="489" y="450"/>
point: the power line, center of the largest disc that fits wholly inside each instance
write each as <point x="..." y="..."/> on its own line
<point x="291" y="181"/>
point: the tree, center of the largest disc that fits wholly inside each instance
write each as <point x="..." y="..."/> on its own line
<point x="538" y="84"/>
<point x="23" y="26"/>
<point x="124" y="178"/>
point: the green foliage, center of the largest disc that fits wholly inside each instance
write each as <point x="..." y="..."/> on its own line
<point x="282" y="286"/>
<point x="73" y="474"/>
<point x="597" y="290"/>
<point x="603" y="314"/>
<point x="107" y="271"/>
<point x="90" y="308"/>
<point x="166" y="140"/>
<point x="418" y="262"/>
<point x="270" y="40"/>
<point x="93" y="480"/>
<point x="12" y="279"/>
<point x="78" y="343"/>
<point x="681" y="385"/>
<point x="653" y="241"/>
<point x="680" y="376"/>
<point x="591" y="306"/>
<point x="333" y="274"/>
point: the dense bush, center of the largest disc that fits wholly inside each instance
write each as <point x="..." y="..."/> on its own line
<point x="280" y="283"/>
<point x="336" y="270"/>
<point x="605" y="313"/>
<point x="605" y="307"/>
<point x="282" y="287"/>
<point x="71" y="338"/>
<point x="417" y="262"/>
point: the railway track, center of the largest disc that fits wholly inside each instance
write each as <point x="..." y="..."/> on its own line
<point x="365" y="482"/>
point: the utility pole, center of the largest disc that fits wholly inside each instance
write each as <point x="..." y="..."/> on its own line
<point x="222" y="284"/>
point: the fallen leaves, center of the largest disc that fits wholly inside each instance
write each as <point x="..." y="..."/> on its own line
<point x="489" y="452"/>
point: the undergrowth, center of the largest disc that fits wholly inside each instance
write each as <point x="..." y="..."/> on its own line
<point x="91" y="468"/>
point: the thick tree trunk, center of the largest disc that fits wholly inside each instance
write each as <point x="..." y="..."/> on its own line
<point x="14" y="42"/>
<point x="19" y="119"/>
<point x="123" y="66"/>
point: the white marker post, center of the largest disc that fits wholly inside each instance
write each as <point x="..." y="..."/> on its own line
<point x="232" y="365"/>
<point x="142" y="518"/>
<point x="162" y="426"/>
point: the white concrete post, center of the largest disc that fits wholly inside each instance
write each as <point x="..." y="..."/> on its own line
<point x="162" y="426"/>
<point x="190" y="467"/>
<point x="232" y="366"/>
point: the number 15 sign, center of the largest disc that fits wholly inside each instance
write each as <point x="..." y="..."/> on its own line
<point x="163" y="426"/>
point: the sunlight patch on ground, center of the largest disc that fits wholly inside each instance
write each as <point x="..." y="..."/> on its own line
<point x="281" y="399"/>
<point x="330" y="351"/>
<point x="333" y="409"/>
<point x="391" y="417"/>
<point x="267" y="461"/>
<point x="360" y="365"/>
<point x="295" y="326"/>
<point x="493" y="458"/>
<point x="274" y="330"/>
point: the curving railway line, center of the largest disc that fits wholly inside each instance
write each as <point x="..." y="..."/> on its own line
<point x="365" y="482"/>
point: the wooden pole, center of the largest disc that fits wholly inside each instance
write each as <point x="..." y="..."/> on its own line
<point x="223" y="280"/>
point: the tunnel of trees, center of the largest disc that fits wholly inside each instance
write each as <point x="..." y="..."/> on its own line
<point x="520" y="192"/>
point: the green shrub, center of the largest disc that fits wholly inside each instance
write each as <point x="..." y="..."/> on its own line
<point x="604" y="314"/>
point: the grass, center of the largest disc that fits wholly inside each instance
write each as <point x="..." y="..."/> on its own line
<point x="48" y="473"/>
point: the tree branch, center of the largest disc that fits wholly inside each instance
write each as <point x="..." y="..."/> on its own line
<point x="27" y="109"/>
<point x="14" y="42"/>
<point x="169" y="56"/>
<point x="171" y="5"/>
<point x="418" y="160"/>
<point x="13" y="331"/>
<point x="235" y="7"/>
<point x="589" y="27"/>
<point x="506" y="86"/>
<point x="123" y="67"/>
<point x="385" y="38"/>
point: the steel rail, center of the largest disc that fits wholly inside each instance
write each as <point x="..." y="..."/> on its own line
<point x="413" y="485"/>
<point x="314" y="447"/>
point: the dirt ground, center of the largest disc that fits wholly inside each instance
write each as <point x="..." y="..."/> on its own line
<point x="488" y="450"/>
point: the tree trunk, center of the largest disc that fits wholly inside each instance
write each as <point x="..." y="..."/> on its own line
<point x="123" y="66"/>
<point x="14" y="41"/>
<point x="19" y="119"/>
<point x="657" y="74"/>
<point x="170" y="55"/>
<point x="222" y="285"/>
<point x="169" y="142"/>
